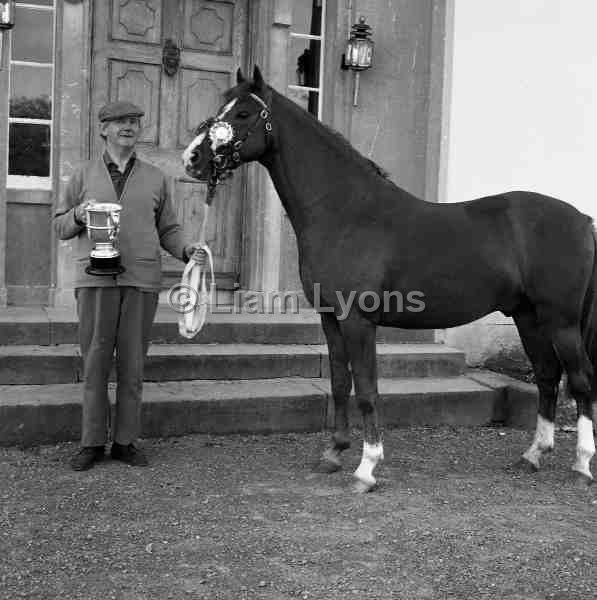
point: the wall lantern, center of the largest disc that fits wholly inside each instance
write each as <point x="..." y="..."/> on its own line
<point x="7" y="14"/>
<point x="359" y="52"/>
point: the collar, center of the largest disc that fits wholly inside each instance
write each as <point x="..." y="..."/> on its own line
<point x="109" y="160"/>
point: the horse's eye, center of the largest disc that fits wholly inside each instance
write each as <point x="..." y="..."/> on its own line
<point x="243" y="114"/>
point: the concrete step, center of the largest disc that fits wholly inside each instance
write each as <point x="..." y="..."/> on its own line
<point x="37" y="365"/>
<point x="53" y="326"/>
<point x="31" y="414"/>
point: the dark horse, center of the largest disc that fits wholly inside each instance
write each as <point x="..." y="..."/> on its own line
<point x="527" y="255"/>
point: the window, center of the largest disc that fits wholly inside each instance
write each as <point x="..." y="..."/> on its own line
<point x="30" y="96"/>
<point x="306" y="54"/>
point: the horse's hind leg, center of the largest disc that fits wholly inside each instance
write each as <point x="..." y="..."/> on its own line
<point x="571" y="351"/>
<point x="548" y="373"/>
<point x="359" y="337"/>
<point x="341" y="380"/>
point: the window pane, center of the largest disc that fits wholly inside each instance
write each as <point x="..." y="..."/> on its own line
<point x="30" y="91"/>
<point x="33" y="34"/>
<point x="29" y="150"/>
<point x="308" y="100"/>
<point x="304" y="62"/>
<point x="306" y="16"/>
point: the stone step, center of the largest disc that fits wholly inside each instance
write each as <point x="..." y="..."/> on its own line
<point x="31" y="414"/>
<point x="49" y="327"/>
<point x="38" y="365"/>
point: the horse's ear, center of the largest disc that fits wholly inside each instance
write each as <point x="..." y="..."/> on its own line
<point x="240" y="78"/>
<point x="258" y="80"/>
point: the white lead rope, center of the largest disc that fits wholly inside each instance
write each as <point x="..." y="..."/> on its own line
<point x="194" y="280"/>
<point x="199" y="294"/>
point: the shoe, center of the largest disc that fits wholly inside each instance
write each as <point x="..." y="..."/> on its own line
<point x="128" y="454"/>
<point x="86" y="457"/>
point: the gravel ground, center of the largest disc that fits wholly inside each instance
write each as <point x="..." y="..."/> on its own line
<point x="242" y="517"/>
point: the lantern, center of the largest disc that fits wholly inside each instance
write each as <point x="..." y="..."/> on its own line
<point x="7" y="14"/>
<point x="359" y="52"/>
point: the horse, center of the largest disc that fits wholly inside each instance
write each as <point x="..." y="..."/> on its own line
<point x="530" y="256"/>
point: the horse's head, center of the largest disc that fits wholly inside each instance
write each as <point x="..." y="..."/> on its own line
<point x="239" y="133"/>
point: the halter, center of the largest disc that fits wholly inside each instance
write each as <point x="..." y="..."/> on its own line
<point x="222" y="134"/>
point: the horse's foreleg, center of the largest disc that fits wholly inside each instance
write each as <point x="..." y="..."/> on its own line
<point x="548" y="373"/>
<point x="341" y="380"/>
<point x="359" y="337"/>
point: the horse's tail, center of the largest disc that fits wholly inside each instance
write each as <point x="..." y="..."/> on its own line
<point x="588" y="321"/>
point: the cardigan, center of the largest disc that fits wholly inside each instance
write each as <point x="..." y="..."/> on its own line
<point x="147" y="222"/>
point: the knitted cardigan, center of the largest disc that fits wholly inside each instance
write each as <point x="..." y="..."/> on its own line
<point x="147" y="222"/>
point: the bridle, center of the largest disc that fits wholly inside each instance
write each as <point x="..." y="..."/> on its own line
<point x="226" y="156"/>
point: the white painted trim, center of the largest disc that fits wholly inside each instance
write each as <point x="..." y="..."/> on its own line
<point x="443" y="163"/>
<point x="24" y="182"/>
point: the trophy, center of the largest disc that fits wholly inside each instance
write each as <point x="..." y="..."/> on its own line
<point x="103" y="223"/>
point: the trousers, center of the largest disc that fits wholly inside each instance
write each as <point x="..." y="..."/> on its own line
<point x="113" y="320"/>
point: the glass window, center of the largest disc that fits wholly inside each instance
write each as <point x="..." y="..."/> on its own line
<point x="30" y="96"/>
<point x="32" y="37"/>
<point x="29" y="149"/>
<point x="30" y="92"/>
<point x="305" y="74"/>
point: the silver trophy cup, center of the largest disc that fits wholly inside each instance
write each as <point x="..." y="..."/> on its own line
<point x="103" y="224"/>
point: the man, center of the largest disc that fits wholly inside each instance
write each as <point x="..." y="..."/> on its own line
<point x="116" y="312"/>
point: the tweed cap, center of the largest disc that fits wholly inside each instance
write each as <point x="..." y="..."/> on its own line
<point x="119" y="110"/>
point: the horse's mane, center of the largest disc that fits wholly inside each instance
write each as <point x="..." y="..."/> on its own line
<point x="352" y="150"/>
<point x="341" y="140"/>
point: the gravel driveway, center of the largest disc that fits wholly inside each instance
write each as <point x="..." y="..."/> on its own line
<point x="241" y="517"/>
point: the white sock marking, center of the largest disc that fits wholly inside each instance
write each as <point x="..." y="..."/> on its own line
<point x="543" y="441"/>
<point x="585" y="447"/>
<point x="186" y="155"/>
<point x="372" y="454"/>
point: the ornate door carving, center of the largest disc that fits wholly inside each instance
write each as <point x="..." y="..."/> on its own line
<point x="128" y="62"/>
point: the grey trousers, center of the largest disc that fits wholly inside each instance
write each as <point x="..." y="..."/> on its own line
<point x="113" y="319"/>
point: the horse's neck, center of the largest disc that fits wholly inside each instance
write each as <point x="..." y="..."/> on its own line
<point x="308" y="168"/>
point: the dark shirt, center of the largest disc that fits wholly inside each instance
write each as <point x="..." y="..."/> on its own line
<point x="118" y="178"/>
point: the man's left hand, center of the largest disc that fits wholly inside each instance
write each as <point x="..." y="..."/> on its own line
<point x="195" y="251"/>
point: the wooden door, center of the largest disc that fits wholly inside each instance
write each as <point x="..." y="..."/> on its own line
<point x="128" y="41"/>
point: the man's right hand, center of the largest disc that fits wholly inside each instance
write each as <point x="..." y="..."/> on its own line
<point x="81" y="212"/>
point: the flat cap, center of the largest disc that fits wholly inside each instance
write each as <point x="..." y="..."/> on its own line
<point x="119" y="110"/>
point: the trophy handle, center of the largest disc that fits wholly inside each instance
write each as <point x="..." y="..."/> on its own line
<point x="115" y="217"/>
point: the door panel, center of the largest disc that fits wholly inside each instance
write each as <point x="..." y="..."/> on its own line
<point x="209" y="26"/>
<point x="127" y="64"/>
<point x="137" y="21"/>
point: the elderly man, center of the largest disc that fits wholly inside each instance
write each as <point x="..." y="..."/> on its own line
<point x="116" y="312"/>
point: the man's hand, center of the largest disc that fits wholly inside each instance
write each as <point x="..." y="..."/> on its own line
<point x="81" y="212"/>
<point x="195" y="252"/>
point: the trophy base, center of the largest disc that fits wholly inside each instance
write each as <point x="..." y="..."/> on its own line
<point x="104" y="266"/>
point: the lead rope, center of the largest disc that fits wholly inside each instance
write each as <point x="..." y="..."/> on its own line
<point x="194" y="279"/>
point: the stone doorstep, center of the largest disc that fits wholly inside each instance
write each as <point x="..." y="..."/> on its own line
<point x="52" y="326"/>
<point x="32" y="415"/>
<point x="37" y="365"/>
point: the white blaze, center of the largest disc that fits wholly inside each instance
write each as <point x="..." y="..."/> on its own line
<point x="226" y="109"/>
<point x="186" y="155"/>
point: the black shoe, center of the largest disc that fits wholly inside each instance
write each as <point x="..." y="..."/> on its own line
<point x="86" y="457"/>
<point x="128" y="454"/>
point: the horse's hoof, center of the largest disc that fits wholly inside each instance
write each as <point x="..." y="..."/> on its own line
<point x="525" y="466"/>
<point x="327" y="467"/>
<point x="580" y="480"/>
<point x="329" y="461"/>
<point x="362" y="487"/>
